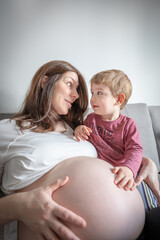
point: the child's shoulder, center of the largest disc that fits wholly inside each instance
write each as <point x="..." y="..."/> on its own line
<point x="127" y="119"/>
<point x="90" y="115"/>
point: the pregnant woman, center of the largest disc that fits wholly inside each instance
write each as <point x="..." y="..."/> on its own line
<point x="38" y="147"/>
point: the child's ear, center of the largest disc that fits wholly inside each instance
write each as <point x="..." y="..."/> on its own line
<point x="120" y="99"/>
<point x="43" y="81"/>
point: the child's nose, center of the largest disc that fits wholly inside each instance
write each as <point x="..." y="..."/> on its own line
<point x="93" y="98"/>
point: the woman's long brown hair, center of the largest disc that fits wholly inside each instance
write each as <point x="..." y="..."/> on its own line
<point x="37" y="113"/>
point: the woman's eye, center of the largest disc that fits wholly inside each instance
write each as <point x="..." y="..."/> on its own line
<point x="69" y="84"/>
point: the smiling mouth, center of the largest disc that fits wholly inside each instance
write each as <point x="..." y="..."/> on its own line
<point x="94" y="106"/>
<point x="69" y="103"/>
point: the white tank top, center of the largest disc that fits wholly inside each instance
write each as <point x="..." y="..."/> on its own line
<point x="26" y="156"/>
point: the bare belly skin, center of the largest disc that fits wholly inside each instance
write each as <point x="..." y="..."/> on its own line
<point x="111" y="213"/>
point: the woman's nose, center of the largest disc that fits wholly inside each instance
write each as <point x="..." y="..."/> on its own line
<point x="75" y="94"/>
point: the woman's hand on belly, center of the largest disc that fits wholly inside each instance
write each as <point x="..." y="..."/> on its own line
<point x="47" y="215"/>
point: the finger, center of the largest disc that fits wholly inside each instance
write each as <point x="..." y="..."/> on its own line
<point x="50" y="234"/>
<point x="62" y="181"/>
<point x="68" y="216"/>
<point x="123" y="182"/>
<point x="119" y="177"/>
<point x="64" y="232"/>
<point x="83" y="136"/>
<point x="87" y="130"/>
<point x="77" y="138"/>
<point x="59" y="183"/>
<point x="138" y="180"/>
<point x="129" y="185"/>
<point x="142" y="175"/>
<point x="133" y="187"/>
<point x="115" y="169"/>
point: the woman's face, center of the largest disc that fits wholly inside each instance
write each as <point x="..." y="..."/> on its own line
<point x="65" y="92"/>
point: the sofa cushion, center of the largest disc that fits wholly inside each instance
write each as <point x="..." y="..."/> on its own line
<point x="155" y="116"/>
<point x="140" y="113"/>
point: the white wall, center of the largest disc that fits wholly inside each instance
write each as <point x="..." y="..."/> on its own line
<point x="93" y="35"/>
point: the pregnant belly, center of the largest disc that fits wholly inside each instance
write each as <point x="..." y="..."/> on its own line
<point x="110" y="212"/>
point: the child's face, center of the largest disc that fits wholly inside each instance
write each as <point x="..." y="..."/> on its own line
<point x="102" y="101"/>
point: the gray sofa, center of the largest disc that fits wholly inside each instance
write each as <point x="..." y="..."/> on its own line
<point x="148" y="122"/>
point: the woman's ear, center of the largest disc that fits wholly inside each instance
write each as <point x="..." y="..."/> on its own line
<point x="120" y="99"/>
<point x="43" y="81"/>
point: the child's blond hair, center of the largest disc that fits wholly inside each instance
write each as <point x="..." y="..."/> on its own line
<point x="117" y="81"/>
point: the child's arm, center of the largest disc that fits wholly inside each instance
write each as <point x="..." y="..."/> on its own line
<point x="124" y="177"/>
<point x="133" y="148"/>
<point x="82" y="132"/>
<point x="126" y="172"/>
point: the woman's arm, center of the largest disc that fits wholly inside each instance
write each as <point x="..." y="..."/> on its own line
<point x="149" y="173"/>
<point x="40" y="213"/>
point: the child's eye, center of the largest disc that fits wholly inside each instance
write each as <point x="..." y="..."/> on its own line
<point x="99" y="93"/>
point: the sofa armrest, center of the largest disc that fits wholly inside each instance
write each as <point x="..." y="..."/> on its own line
<point x="155" y="116"/>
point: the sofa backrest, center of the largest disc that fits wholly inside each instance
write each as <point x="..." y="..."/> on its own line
<point x="155" y="116"/>
<point x="147" y="120"/>
<point x="140" y="113"/>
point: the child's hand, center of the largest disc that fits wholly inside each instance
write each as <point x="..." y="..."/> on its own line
<point x="82" y="132"/>
<point x="124" y="178"/>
